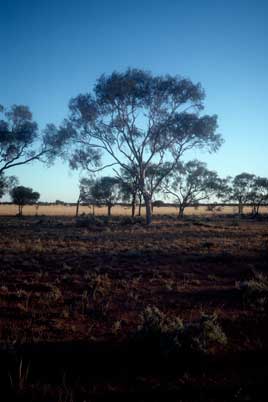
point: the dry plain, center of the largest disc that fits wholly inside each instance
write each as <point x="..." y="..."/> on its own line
<point x="73" y="296"/>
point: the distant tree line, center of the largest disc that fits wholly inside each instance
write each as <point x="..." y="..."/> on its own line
<point x="189" y="184"/>
<point x="138" y="126"/>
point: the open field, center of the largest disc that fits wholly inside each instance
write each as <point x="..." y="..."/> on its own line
<point x="73" y="296"/>
<point x="61" y="210"/>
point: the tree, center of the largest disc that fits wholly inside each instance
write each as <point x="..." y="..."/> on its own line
<point x="86" y="186"/>
<point x="105" y="191"/>
<point x="259" y="194"/>
<point x="191" y="183"/>
<point x="136" y="119"/>
<point x="241" y="190"/>
<point x="7" y="183"/>
<point x="158" y="204"/>
<point x="20" y="140"/>
<point x="129" y="188"/>
<point x="23" y="196"/>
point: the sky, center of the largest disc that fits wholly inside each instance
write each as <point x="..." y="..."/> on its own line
<point x="52" y="50"/>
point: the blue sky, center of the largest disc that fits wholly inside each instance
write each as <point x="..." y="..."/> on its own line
<point x="53" y="50"/>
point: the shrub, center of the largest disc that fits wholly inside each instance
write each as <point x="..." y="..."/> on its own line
<point x="202" y="335"/>
<point x="89" y="221"/>
<point x="160" y="331"/>
<point x="128" y="220"/>
<point x="170" y="335"/>
<point x="255" y="292"/>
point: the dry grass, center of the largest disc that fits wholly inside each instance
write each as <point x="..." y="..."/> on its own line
<point x="61" y="210"/>
<point x="72" y="300"/>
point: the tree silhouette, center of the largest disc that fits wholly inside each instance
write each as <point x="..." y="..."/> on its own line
<point x="20" y="140"/>
<point x="22" y="196"/>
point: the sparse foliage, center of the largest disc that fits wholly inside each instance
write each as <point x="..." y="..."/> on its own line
<point x="241" y="190"/>
<point x="20" y="140"/>
<point x="105" y="191"/>
<point x="138" y="120"/>
<point x="191" y="183"/>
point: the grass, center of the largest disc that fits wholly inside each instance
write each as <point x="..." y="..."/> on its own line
<point x="69" y="210"/>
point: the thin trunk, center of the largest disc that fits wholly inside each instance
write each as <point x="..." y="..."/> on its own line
<point x="133" y="205"/>
<point x="140" y="203"/>
<point x="181" y="211"/>
<point x="240" y="208"/>
<point x="93" y="209"/>
<point x="77" y="207"/>
<point x="148" y="208"/>
<point x="109" y="209"/>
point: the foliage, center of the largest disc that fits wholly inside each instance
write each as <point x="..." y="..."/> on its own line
<point x="108" y="122"/>
<point x="241" y="189"/>
<point x="105" y="191"/>
<point x="20" y="140"/>
<point x="85" y="187"/>
<point x="259" y="194"/>
<point x="203" y="334"/>
<point x="192" y="182"/>
<point x="89" y="221"/>
<point x="255" y="292"/>
<point x="171" y="335"/>
<point x="159" y="330"/>
<point x="22" y="196"/>
<point x="7" y="183"/>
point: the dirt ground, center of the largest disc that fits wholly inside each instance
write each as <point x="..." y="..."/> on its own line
<point x="72" y="297"/>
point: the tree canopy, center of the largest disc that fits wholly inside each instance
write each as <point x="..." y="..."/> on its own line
<point x="20" y="140"/>
<point x="23" y="196"/>
<point x="135" y="120"/>
<point x="192" y="182"/>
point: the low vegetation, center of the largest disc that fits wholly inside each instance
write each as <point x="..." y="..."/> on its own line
<point x="179" y="299"/>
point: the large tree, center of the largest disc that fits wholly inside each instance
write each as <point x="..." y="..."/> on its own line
<point x="136" y="119"/>
<point x="192" y="182"/>
<point x="20" y="140"/>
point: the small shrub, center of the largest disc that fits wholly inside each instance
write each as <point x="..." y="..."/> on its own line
<point x="170" y="335"/>
<point x="255" y="292"/>
<point x="160" y="331"/>
<point x="89" y="221"/>
<point x="128" y="220"/>
<point x="202" y="335"/>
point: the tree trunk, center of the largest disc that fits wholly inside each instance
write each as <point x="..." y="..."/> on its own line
<point x="257" y="209"/>
<point x="181" y="211"/>
<point x="109" y="209"/>
<point x="77" y="207"/>
<point x="148" y="207"/>
<point x="93" y="209"/>
<point x="140" y="202"/>
<point x="133" y="205"/>
<point x="240" y="208"/>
